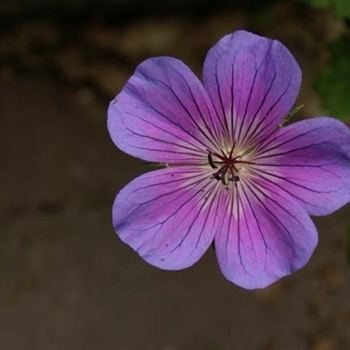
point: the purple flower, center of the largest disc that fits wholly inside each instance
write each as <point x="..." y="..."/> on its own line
<point x="232" y="175"/>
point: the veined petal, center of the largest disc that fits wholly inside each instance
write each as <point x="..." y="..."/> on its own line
<point x="163" y="114"/>
<point x="253" y="83"/>
<point x="168" y="216"/>
<point x="264" y="236"/>
<point x="310" y="160"/>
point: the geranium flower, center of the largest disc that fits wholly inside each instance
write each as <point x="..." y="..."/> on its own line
<point x="232" y="175"/>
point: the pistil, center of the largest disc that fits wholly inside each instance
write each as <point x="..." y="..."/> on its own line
<point x="226" y="164"/>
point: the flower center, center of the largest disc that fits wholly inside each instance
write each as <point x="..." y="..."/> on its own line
<point x="228" y="165"/>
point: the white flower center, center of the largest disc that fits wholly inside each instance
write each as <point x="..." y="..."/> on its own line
<point x="230" y="166"/>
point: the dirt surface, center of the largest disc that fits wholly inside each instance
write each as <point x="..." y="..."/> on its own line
<point x="67" y="281"/>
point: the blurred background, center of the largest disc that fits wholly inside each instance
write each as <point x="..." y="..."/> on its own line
<point x="67" y="282"/>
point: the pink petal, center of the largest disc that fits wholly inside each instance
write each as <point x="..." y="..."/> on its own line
<point x="253" y="82"/>
<point x="264" y="236"/>
<point x="168" y="216"/>
<point x="309" y="160"/>
<point x="163" y="114"/>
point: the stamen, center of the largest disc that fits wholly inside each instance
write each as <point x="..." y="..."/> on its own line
<point x="232" y="149"/>
<point x="210" y="160"/>
<point x="227" y="171"/>
<point x="235" y="178"/>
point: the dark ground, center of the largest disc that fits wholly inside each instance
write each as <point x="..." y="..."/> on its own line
<point x="67" y="281"/>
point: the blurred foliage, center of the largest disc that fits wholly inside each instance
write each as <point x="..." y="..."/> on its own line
<point x="333" y="82"/>
<point x="123" y="8"/>
<point x="349" y="245"/>
<point x="340" y="7"/>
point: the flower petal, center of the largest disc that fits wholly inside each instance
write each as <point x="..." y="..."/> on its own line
<point x="163" y="114"/>
<point x="168" y="216"/>
<point x="310" y="160"/>
<point x="265" y="236"/>
<point x="253" y="82"/>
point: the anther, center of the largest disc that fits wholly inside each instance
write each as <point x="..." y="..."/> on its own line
<point x="211" y="162"/>
<point x="234" y="178"/>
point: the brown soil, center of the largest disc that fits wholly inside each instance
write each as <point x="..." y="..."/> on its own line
<point x="67" y="281"/>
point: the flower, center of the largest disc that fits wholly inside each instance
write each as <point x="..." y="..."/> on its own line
<point x="232" y="175"/>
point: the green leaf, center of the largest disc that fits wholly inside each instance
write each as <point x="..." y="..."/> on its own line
<point x="341" y="8"/>
<point x="292" y="113"/>
<point x="333" y="82"/>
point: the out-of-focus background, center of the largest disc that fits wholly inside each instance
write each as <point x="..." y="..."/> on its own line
<point x="67" y="282"/>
